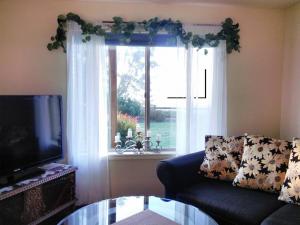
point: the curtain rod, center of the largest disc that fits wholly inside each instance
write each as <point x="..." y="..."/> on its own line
<point x="206" y="24"/>
<point x="197" y="24"/>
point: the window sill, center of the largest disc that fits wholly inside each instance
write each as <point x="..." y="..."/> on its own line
<point x="144" y="156"/>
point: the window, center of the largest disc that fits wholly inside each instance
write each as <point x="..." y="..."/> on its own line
<point x="165" y="82"/>
<point x="146" y="90"/>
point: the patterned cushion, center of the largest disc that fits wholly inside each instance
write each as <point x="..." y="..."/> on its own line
<point x="222" y="157"/>
<point x="264" y="163"/>
<point x="290" y="191"/>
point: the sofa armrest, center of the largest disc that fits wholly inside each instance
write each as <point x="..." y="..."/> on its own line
<point x="179" y="172"/>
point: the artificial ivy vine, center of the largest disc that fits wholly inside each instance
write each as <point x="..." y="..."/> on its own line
<point x="229" y="32"/>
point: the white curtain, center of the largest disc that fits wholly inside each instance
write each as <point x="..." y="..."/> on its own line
<point x="87" y="114"/>
<point x="199" y="117"/>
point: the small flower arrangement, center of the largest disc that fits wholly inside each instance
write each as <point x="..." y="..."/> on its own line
<point x="124" y="122"/>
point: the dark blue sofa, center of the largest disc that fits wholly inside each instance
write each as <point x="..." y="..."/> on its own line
<point x="227" y="204"/>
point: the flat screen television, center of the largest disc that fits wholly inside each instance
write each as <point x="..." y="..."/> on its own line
<point x="30" y="131"/>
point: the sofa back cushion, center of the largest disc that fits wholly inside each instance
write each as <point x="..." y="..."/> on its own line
<point x="290" y="191"/>
<point x="222" y="157"/>
<point x="264" y="163"/>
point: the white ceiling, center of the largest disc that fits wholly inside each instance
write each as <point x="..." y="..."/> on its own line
<point x="261" y="3"/>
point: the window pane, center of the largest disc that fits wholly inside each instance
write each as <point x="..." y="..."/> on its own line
<point x="130" y="88"/>
<point x="166" y="80"/>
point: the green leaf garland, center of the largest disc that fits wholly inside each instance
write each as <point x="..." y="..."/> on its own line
<point x="229" y="32"/>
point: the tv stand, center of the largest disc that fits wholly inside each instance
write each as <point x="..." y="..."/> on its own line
<point x="41" y="198"/>
<point x="21" y="175"/>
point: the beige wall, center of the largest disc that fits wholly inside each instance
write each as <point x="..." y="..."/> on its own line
<point x="254" y="75"/>
<point x="290" y="114"/>
<point x="135" y="175"/>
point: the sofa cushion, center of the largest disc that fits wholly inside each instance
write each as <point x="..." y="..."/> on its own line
<point x="286" y="215"/>
<point x="230" y="205"/>
<point x="223" y="156"/>
<point x="264" y="163"/>
<point x="290" y="191"/>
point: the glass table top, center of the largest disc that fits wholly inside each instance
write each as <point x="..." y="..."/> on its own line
<point x="115" y="210"/>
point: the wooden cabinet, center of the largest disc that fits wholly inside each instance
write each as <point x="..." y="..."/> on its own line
<point x="39" y="199"/>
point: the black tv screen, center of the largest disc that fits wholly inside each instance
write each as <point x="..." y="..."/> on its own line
<point x="30" y="131"/>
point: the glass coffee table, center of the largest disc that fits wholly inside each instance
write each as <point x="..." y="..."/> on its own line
<point x="138" y="210"/>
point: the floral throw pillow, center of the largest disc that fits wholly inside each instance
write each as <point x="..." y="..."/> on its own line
<point x="290" y="191"/>
<point x="264" y="163"/>
<point x="222" y="157"/>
